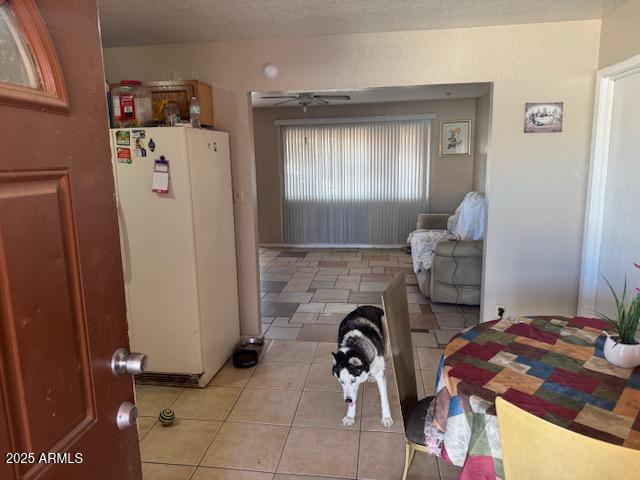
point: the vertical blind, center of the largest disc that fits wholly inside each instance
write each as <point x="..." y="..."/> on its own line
<point x="354" y="183"/>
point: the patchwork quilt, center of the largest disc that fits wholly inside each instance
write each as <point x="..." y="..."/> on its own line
<point x="552" y="367"/>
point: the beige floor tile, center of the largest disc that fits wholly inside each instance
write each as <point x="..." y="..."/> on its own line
<point x="347" y="285"/>
<point x="206" y="473"/>
<point x="279" y="375"/>
<point x="326" y="278"/>
<point x="330" y="318"/>
<point x="381" y="456"/>
<point x="284" y="322"/>
<point x="371" y="388"/>
<point x="447" y="470"/>
<point x="318" y="333"/>
<point x="210" y="403"/>
<point x="297" y="287"/>
<point x="182" y="443"/>
<point x="429" y="357"/>
<point x="160" y="471"/>
<point x="265" y="406"/>
<point x="290" y="351"/>
<point x="423" y="467"/>
<point x="280" y="476"/>
<point x="247" y="446"/>
<point x="373" y="286"/>
<point x="444" y="336"/>
<point x="371" y="414"/>
<point x="315" y="451"/>
<point x="321" y="379"/>
<point x="342" y="308"/>
<point x="331" y="295"/>
<point x="324" y="410"/>
<point x="294" y="297"/>
<point x="311" y="307"/>
<point x="282" y="333"/>
<point x="304" y="317"/>
<point x="151" y="399"/>
<point x="323" y="353"/>
<point x="429" y="380"/>
<point x="230" y="376"/>
<point x="144" y="425"/>
<point x="416" y="298"/>
<point x="423" y="339"/>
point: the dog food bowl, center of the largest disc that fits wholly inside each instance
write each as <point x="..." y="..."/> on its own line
<point x="248" y="352"/>
<point x="245" y="358"/>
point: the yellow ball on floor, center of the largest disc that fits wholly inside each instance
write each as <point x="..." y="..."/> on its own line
<point x="166" y="417"/>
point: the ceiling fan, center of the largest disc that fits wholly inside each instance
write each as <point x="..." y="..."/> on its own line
<point x="306" y="99"/>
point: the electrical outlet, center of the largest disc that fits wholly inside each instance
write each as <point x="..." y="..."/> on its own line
<point x="500" y="310"/>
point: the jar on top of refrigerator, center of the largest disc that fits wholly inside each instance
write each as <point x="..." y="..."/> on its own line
<point x="132" y="104"/>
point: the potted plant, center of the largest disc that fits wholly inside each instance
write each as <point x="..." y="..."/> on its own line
<point x="623" y="348"/>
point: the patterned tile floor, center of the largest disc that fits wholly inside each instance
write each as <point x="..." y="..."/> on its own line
<point x="281" y="419"/>
<point x="306" y="293"/>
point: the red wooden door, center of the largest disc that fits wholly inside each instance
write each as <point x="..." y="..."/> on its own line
<point x="62" y="312"/>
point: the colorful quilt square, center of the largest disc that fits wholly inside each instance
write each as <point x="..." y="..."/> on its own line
<point x="574" y="380"/>
<point x="532" y="332"/>
<point x="538" y="369"/>
<point x="471" y="374"/>
<point x="628" y="403"/>
<point x="574" y="351"/>
<point x="606" y="421"/>
<point x="508" y="379"/>
<point x="483" y="352"/>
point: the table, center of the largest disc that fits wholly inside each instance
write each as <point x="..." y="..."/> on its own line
<point x="552" y="367"/>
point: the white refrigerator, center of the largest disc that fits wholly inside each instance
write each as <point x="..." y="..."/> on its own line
<point x="178" y="250"/>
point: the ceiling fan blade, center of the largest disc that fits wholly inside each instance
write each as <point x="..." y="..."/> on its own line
<point x="286" y="101"/>
<point x="333" y="97"/>
<point x="279" y="96"/>
<point x="318" y="100"/>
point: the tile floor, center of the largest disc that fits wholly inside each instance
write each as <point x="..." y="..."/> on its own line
<point x="281" y="419"/>
<point x="307" y="292"/>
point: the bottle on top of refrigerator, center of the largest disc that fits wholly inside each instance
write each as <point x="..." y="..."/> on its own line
<point x="132" y="105"/>
<point x="194" y="112"/>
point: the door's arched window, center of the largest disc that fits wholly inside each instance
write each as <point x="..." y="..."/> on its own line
<point x="30" y="74"/>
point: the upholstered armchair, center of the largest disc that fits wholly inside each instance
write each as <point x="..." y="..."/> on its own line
<point x="455" y="275"/>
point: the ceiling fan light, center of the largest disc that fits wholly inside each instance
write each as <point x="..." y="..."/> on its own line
<point x="270" y="71"/>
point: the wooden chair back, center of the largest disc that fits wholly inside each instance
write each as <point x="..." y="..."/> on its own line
<point x="399" y="347"/>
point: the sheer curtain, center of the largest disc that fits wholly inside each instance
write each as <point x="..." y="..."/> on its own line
<point x="361" y="182"/>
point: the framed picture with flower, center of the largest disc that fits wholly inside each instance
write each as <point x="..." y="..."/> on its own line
<point x="455" y="137"/>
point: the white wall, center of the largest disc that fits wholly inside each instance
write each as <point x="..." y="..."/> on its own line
<point x="620" y="38"/>
<point x="481" y="140"/>
<point x="536" y="182"/>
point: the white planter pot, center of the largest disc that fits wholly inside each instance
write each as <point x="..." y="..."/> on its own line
<point x="621" y="355"/>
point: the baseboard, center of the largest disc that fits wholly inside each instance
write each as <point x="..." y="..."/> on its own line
<point x="329" y="245"/>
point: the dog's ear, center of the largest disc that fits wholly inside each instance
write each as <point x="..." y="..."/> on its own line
<point x="355" y="361"/>
<point x="334" y="358"/>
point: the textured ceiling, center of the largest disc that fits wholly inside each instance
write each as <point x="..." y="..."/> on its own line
<point x="386" y="94"/>
<point x="148" y="22"/>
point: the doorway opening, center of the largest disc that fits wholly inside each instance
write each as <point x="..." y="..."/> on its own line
<point x="350" y="186"/>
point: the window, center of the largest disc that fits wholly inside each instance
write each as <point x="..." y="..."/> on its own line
<point x="361" y="182"/>
<point x="30" y="73"/>
<point x="16" y="64"/>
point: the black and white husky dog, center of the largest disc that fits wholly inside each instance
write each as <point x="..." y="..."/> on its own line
<point x="360" y="357"/>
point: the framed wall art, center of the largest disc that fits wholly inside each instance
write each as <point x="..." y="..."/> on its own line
<point x="543" y="117"/>
<point x="455" y="137"/>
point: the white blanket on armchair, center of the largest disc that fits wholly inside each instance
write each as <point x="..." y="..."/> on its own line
<point x="467" y="223"/>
